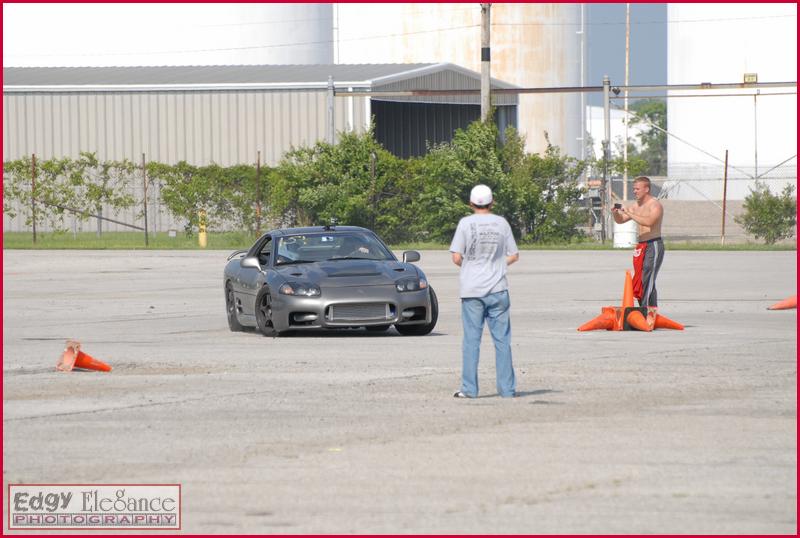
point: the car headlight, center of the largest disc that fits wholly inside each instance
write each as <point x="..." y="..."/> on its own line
<point x="411" y="284"/>
<point x="298" y="288"/>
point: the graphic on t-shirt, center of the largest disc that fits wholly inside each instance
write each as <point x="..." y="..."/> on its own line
<point x="473" y="241"/>
<point x="488" y="240"/>
<point x="484" y="240"/>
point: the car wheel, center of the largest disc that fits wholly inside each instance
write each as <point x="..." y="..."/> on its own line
<point x="230" y="308"/>
<point x="264" y="313"/>
<point x="377" y="328"/>
<point x="421" y="330"/>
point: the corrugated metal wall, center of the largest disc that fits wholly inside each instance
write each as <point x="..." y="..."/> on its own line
<point x="451" y="80"/>
<point x="200" y="127"/>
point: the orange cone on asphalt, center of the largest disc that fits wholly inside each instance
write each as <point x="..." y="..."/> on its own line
<point x="627" y="294"/>
<point x="604" y="321"/>
<point x="73" y="357"/>
<point x="663" y="322"/>
<point x="637" y="320"/>
<point x="614" y="318"/>
<point x="786" y="304"/>
<point x="88" y="362"/>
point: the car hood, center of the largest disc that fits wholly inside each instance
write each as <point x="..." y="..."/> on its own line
<point x="342" y="273"/>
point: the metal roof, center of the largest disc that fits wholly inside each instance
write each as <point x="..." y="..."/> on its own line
<point x="218" y="76"/>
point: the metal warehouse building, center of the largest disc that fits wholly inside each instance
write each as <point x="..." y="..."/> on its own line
<point x="226" y="114"/>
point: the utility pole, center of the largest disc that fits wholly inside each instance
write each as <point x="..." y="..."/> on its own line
<point x="33" y="195"/>
<point x="144" y="198"/>
<point x="627" y="81"/>
<point x="372" y="196"/>
<point x="486" y="98"/>
<point x="331" y="118"/>
<point x="582" y="137"/>
<point x="755" y="134"/>
<point x="724" y="197"/>
<point x="258" y="192"/>
<point x="606" y="150"/>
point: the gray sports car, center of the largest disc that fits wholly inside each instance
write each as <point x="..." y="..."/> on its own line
<point x="326" y="277"/>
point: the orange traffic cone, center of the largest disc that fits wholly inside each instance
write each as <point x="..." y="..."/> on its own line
<point x="637" y="320"/>
<point x="615" y="318"/>
<point x="90" y="363"/>
<point x="602" y="322"/>
<point x="663" y="322"/>
<point x="73" y="357"/>
<point x="627" y="295"/>
<point x="786" y="304"/>
<point x="617" y="314"/>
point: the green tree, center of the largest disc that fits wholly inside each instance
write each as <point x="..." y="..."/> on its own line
<point x="80" y="187"/>
<point x="636" y="165"/>
<point x="769" y="216"/>
<point x="652" y="113"/>
<point x="354" y="181"/>
<point x="541" y="198"/>
<point x="100" y="184"/>
<point x="447" y="173"/>
<point x="227" y="195"/>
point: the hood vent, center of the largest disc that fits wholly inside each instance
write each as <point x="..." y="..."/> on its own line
<point x="350" y="274"/>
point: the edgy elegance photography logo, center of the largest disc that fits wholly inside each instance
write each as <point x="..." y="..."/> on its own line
<point x="94" y="506"/>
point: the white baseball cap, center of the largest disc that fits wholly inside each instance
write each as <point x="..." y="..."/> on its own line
<point x="480" y="195"/>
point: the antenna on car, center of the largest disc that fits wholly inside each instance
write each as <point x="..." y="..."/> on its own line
<point x="331" y="225"/>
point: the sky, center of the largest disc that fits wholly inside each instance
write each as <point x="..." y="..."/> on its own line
<point x="606" y="45"/>
<point x="24" y="32"/>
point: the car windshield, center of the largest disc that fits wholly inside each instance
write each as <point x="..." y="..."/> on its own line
<point x="307" y="248"/>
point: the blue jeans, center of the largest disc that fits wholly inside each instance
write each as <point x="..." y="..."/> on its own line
<point x="494" y="308"/>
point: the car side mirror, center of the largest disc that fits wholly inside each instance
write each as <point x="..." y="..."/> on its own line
<point x="410" y="256"/>
<point x="251" y="261"/>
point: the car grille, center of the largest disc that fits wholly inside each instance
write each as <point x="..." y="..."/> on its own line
<point x="360" y="312"/>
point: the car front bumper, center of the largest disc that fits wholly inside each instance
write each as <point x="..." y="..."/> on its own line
<point x="351" y="307"/>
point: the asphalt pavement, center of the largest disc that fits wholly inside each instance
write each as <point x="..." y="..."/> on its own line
<point x="690" y="431"/>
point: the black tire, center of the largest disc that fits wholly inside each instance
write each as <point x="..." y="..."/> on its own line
<point x="264" y="313"/>
<point x="377" y="328"/>
<point x="422" y="330"/>
<point x="230" y="309"/>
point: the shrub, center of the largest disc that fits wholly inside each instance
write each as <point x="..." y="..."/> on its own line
<point x="769" y="216"/>
<point x="66" y="186"/>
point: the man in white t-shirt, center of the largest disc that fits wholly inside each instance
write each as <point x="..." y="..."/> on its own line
<point x="483" y="246"/>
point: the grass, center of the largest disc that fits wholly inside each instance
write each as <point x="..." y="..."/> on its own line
<point x="237" y="240"/>
<point x="124" y="241"/>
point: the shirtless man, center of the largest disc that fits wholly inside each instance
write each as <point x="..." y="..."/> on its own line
<point x="649" y="253"/>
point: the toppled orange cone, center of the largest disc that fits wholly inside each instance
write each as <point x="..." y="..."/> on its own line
<point x="786" y="304"/>
<point x="637" y="320"/>
<point x="73" y="357"/>
<point x="610" y="319"/>
<point x="604" y="321"/>
<point x="626" y="317"/>
<point x="663" y="322"/>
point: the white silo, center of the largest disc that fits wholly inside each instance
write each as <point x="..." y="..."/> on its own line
<point x="532" y="45"/>
<point x="36" y="35"/>
<point x="719" y="43"/>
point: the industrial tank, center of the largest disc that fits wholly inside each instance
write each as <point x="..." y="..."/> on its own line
<point x="720" y="44"/>
<point x="532" y="45"/>
<point x="166" y="34"/>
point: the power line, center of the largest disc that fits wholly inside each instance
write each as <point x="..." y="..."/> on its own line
<point x="252" y="47"/>
<point x="670" y="96"/>
<point x="313" y="19"/>
<point x="636" y="23"/>
<point x="676" y="137"/>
